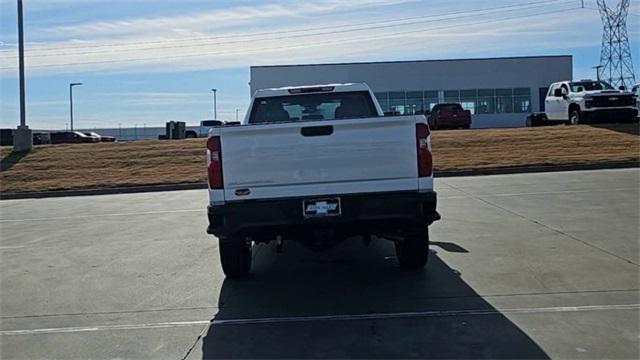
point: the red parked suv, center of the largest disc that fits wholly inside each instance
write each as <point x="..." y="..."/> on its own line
<point x="449" y="116"/>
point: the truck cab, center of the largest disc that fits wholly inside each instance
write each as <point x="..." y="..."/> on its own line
<point x="585" y="101"/>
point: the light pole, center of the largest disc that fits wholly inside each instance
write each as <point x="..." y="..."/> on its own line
<point x="237" y="110"/>
<point x="215" y="105"/>
<point x="71" y="102"/>
<point x="598" y="67"/>
<point x="22" y="139"/>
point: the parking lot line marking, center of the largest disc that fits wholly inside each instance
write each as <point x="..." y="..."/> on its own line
<point x="104" y="215"/>
<point x="435" y="313"/>
<point x="106" y="327"/>
<point x="289" y="319"/>
<point x="560" y="192"/>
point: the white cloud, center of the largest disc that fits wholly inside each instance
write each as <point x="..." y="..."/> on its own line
<point x="210" y="20"/>
<point x="435" y="38"/>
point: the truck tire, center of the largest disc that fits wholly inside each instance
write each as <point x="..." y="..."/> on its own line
<point x="413" y="251"/>
<point x="574" y="117"/>
<point x="235" y="257"/>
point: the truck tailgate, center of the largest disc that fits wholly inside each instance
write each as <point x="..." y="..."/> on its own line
<point x="319" y="158"/>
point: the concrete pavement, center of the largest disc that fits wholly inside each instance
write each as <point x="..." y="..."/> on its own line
<point x="522" y="266"/>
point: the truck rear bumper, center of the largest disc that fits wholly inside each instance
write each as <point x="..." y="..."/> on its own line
<point x="453" y="123"/>
<point x="375" y="213"/>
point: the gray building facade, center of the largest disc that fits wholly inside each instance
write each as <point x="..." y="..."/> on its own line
<point x="499" y="92"/>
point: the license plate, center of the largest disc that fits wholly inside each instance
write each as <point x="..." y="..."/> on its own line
<point x="321" y="207"/>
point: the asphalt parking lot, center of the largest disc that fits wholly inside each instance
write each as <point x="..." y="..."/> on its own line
<point x="523" y="266"/>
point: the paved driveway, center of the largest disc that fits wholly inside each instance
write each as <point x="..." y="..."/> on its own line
<point x="532" y="265"/>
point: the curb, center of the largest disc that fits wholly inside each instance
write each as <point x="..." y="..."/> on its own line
<point x="437" y="174"/>
<point x="627" y="164"/>
<point x="101" y="191"/>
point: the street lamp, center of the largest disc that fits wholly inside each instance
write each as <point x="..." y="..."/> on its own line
<point x="598" y="67"/>
<point x="22" y="139"/>
<point x="215" y="110"/>
<point x="237" y="110"/>
<point x="71" y="102"/>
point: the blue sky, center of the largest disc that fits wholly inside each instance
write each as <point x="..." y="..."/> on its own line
<point x="150" y="61"/>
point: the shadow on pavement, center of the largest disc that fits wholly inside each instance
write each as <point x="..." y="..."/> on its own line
<point x="357" y="280"/>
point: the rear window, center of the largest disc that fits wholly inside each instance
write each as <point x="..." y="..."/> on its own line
<point x="211" y="123"/>
<point x="309" y="107"/>
<point x="448" y="107"/>
<point x="589" y="86"/>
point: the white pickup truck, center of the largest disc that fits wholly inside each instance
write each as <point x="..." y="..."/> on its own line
<point x="320" y="164"/>
<point x="583" y="101"/>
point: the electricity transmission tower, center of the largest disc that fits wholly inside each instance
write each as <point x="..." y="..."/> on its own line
<point x="615" y="56"/>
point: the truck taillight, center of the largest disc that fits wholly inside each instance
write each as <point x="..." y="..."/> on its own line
<point x="215" y="162"/>
<point x="425" y="161"/>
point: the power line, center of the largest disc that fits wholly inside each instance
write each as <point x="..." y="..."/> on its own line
<point x="391" y="35"/>
<point x="332" y="42"/>
<point x="596" y="9"/>
<point x="367" y="26"/>
<point x="274" y="38"/>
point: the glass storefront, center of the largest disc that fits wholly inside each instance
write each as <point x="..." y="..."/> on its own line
<point x="478" y="101"/>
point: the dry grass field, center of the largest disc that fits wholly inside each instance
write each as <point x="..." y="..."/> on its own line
<point x="71" y="166"/>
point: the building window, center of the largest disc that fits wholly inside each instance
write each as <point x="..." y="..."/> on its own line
<point x="430" y="99"/>
<point x="478" y="101"/>
<point x="486" y="101"/>
<point x="522" y="100"/>
<point x="468" y="99"/>
<point x="504" y="101"/>
<point x="397" y="102"/>
<point x="383" y="100"/>
<point x="451" y="96"/>
<point x="415" y="104"/>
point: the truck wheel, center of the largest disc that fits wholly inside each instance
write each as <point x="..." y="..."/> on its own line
<point x="235" y="257"/>
<point x="574" y="117"/>
<point x="413" y="251"/>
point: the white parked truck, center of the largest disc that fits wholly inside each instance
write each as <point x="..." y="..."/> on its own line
<point x="320" y="164"/>
<point x="202" y="131"/>
<point x="583" y="101"/>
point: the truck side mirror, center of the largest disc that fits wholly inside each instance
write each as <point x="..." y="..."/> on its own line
<point x="622" y="88"/>
<point x="558" y="93"/>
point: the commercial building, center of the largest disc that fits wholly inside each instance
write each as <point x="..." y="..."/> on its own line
<point x="499" y="92"/>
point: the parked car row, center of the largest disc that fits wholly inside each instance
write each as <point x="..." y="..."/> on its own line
<point x="58" y="137"/>
<point x="77" y="137"/>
